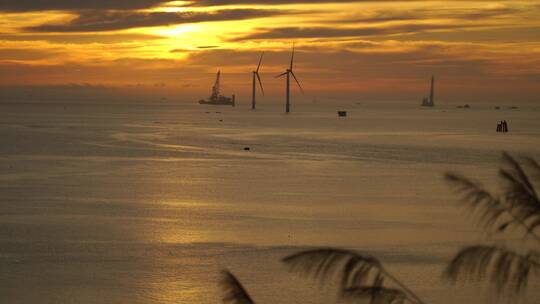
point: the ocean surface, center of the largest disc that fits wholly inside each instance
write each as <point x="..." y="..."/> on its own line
<point x="147" y="203"/>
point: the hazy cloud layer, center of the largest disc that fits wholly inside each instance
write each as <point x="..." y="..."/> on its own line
<point x="41" y="5"/>
<point x="24" y="54"/>
<point x="331" y="32"/>
<point x="337" y="71"/>
<point x="78" y="38"/>
<point x="98" y="21"/>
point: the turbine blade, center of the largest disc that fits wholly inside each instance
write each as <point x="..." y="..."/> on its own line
<point x="260" y="83"/>
<point x="260" y="61"/>
<point x="282" y="74"/>
<point x="292" y="57"/>
<point x="297" y="82"/>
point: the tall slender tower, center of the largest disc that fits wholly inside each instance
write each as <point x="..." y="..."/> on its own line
<point x="253" y="92"/>
<point x="288" y="93"/>
<point x="432" y="94"/>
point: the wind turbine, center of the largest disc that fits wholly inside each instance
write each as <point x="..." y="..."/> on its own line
<point x="256" y="77"/>
<point x="290" y="72"/>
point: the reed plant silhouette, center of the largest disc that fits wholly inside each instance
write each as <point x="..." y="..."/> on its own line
<point x="508" y="267"/>
<point x="363" y="277"/>
<point x="234" y="292"/>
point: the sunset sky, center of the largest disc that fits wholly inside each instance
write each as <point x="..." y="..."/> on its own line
<point x="478" y="50"/>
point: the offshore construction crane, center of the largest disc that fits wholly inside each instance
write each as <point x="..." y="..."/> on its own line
<point x="216" y="98"/>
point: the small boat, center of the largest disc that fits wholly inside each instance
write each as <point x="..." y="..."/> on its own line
<point x="216" y="98"/>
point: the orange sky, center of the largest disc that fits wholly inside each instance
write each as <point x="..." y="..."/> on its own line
<point x="346" y="49"/>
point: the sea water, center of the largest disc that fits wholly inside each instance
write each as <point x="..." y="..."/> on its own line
<point x="148" y="202"/>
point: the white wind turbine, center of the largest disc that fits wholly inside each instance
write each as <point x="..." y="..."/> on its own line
<point x="290" y="72"/>
<point x="256" y="77"/>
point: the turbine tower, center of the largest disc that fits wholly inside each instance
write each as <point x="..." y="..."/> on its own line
<point x="290" y="72"/>
<point x="432" y="91"/>
<point x="256" y="77"/>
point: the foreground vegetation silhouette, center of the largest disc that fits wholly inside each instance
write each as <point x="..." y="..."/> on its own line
<point x="360" y="276"/>
<point x="363" y="277"/>
<point x="234" y="292"/>
<point x="506" y="266"/>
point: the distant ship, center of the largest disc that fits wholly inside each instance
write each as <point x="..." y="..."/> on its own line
<point x="430" y="101"/>
<point x="216" y="98"/>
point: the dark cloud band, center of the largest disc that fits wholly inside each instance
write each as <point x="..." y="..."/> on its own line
<point x="70" y="5"/>
<point x="389" y="15"/>
<point x="99" y="21"/>
<point x="274" y="2"/>
<point x="329" y="32"/>
<point x="203" y="3"/>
